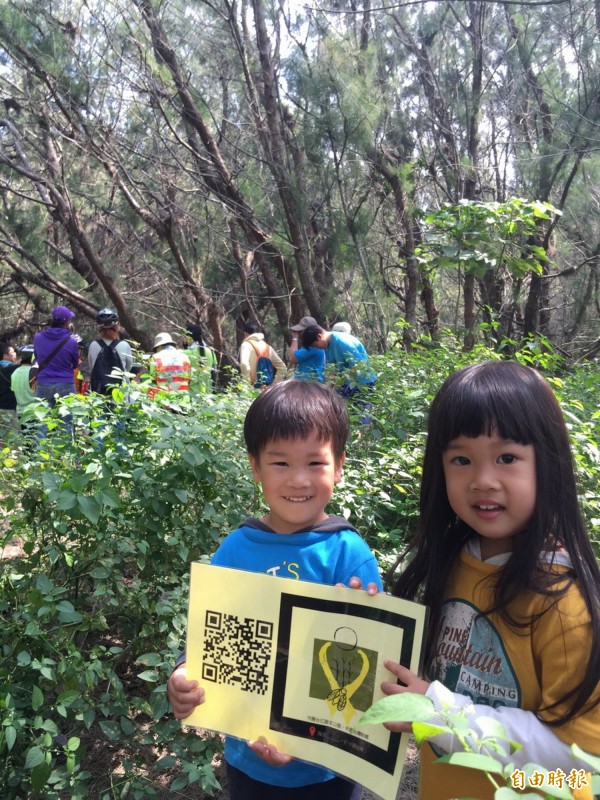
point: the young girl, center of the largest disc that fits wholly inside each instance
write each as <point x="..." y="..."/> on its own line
<point x="504" y="563"/>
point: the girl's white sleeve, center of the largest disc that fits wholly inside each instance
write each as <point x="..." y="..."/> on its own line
<point x="540" y="745"/>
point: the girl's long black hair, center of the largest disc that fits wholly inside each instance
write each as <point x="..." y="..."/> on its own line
<point x="518" y="404"/>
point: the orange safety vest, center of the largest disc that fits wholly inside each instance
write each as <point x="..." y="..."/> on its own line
<point x="172" y="371"/>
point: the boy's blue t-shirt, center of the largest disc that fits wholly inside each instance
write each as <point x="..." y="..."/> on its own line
<point x="311" y="364"/>
<point x="330" y="553"/>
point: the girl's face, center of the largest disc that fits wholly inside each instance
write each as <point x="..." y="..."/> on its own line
<point x="491" y="487"/>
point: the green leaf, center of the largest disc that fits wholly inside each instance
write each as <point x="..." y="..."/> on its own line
<point x="127" y="726"/>
<point x="166" y="762"/>
<point x="10" y="736"/>
<point x="40" y="775"/>
<point x="405" y="707"/>
<point x="90" y="507"/>
<point x="150" y="659"/>
<point x="89" y="716"/>
<point x="491" y="728"/>
<point x="66" y="500"/>
<point x="73" y="744"/>
<point x="67" y="613"/>
<point x="69" y="697"/>
<point x="473" y="761"/>
<point x="109" y="497"/>
<point x="50" y="727"/>
<point x="110" y="729"/>
<point x="159" y="703"/>
<point x="37" y="698"/>
<point x="35" y="755"/>
<point x="99" y="573"/>
<point x="423" y="731"/>
<point x="593" y="761"/>
<point x="44" y="584"/>
<point x="150" y="675"/>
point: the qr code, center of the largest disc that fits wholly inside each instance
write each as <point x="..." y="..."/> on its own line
<point x="237" y="651"/>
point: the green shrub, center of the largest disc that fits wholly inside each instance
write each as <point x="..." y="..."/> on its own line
<point x="94" y="616"/>
<point x="94" y="613"/>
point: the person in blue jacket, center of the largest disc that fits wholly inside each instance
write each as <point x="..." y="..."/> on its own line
<point x="295" y="435"/>
<point x="347" y="354"/>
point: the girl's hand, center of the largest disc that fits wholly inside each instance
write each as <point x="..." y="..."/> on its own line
<point x="269" y="753"/>
<point x="356" y="583"/>
<point x="412" y="683"/>
<point x="184" y="695"/>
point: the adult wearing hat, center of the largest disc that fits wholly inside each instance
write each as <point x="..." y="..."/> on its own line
<point x="305" y="322"/>
<point x="20" y="382"/>
<point x="342" y="327"/>
<point x="57" y="355"/>
<point x="170" y="368"/>
<point x="346" y="353"/>
<point x="108" y="353"/>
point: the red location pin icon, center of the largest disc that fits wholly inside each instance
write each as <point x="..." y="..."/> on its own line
<point x="312" y="730"/>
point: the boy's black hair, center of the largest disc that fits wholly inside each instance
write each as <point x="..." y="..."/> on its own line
<point x="4" y="347"/>
<point x="251" y="327"/>
<point x="310" y="335"/>
<point x="515" y="402"/>
<point x="294" y="410"/>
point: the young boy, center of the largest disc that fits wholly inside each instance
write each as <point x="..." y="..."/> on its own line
<point x="295" y="434"/>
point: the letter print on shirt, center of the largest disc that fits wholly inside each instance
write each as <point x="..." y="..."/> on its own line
<point x="285" y="570"/>
<point x="470" y="658"/>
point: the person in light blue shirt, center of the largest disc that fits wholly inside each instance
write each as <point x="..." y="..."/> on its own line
<point x="346" y="351"/>
<point x="347" y="354"/>
<point x="309" y="360"/>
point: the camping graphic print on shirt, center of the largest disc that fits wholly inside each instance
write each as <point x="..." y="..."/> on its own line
<point x="470" y="658"/>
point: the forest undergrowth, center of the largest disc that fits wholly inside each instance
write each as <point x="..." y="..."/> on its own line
<point x="97" y="540"/>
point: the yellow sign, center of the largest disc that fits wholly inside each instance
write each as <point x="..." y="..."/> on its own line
<point x="299" y="663"/>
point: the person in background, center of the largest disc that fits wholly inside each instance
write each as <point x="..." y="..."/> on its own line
<point x="170" y="368"/>
<point x="21" y="384"/>
<point x="342" y="327"/>
<point x="254" y="347"/>
<point x="57" y="355"/>
<point x="82" y="373"/>
<point x="346" y="353"/>
<point x="8" y="401"/>
<point x="203" y="361"/>
<point x="309" y="360"/>
<point x="295" y="435"/>
<point x="110" y="329"/>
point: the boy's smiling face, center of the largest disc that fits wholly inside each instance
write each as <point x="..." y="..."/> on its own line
<point x="297" y="478"/>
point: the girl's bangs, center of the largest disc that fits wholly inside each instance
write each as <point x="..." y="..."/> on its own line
<point x="480" y="410"/>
